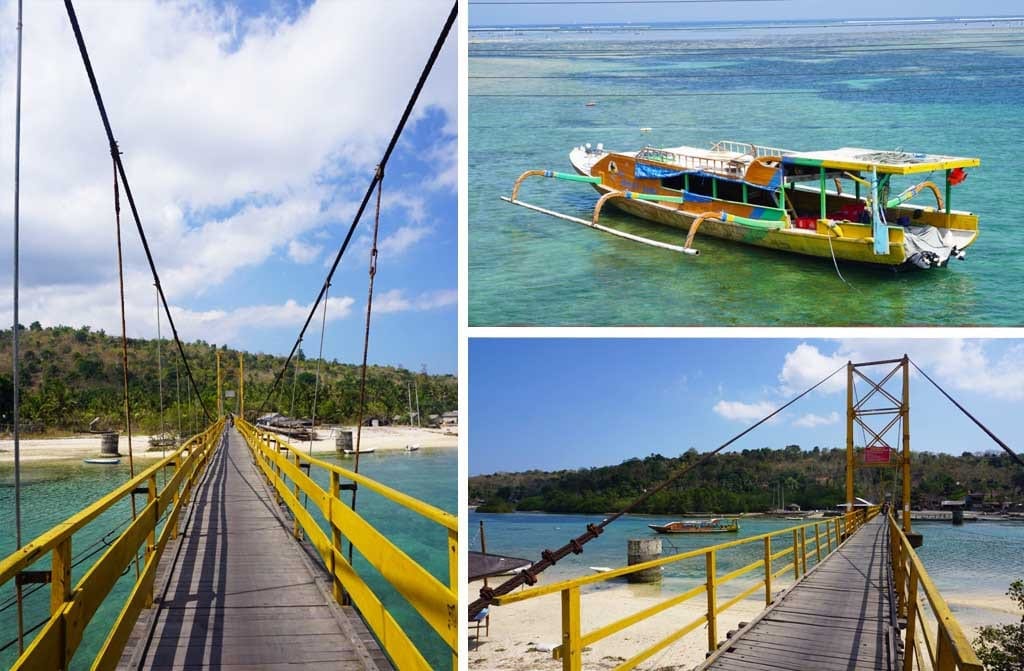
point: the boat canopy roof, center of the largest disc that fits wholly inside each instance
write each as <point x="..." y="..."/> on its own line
<point x="884" y="161"/>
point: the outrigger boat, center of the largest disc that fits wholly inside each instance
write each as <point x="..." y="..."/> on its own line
<point x="833" y="204"/>
<point x="712" y="526"/>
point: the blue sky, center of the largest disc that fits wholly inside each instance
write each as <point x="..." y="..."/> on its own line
<point x="250" y="131"/>
<point x="482" y="14"/>
<point x="571" y="403"/>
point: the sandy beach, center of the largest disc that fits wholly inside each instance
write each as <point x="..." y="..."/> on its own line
<point x="379" y="438"/>
<point x="522" y="634"/>
<point x="81" y="447"/>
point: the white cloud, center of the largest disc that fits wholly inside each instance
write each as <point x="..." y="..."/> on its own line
<point x="739" y="411"/>
<point x="402" y="239"/>
<point x="956" y="364"/>
<point x="300" y="252"/>
<point x="396" y="300"/>
<point x="806" y="366"/>
<point x="810" y="420"/>
<point x="234" y="132"/>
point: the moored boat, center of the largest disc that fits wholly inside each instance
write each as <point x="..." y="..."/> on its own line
<point x="710" y="526"/>
<point x="365" y="450"/>
<point x="836" y="204"/>
<point x="105" y="461"/>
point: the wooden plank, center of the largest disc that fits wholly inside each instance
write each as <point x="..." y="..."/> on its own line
<point x="241" y="593"/>
<point x="836" y="619"/>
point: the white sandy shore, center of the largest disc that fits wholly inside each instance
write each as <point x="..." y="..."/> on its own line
<point x="522" y="634"/>
<point x="55" y="449"/>
<point x="379" y="438"/>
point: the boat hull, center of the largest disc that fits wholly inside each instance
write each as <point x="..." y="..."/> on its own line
<point x="855" y="244"/>
<point x="666" y="529"/>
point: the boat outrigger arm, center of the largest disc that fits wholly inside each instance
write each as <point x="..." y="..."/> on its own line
<point x="765" y="196"/>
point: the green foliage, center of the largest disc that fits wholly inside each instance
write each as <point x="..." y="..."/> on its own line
<point x="738" y="482"/>
<point x="69" y="376"/>
<point x="1001" y="648"/>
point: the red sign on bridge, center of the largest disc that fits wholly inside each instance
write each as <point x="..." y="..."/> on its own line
<point x="877" y="455"/>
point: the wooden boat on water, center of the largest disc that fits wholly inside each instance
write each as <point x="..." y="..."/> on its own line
<point x="711" y="526"/>
<point x="103" y="461"/>
<point x="365" y="450"/>
<point x="835" y="204"/>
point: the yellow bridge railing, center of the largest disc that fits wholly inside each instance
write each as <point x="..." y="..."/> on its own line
<point x="284" y="467"/>
<point x="943" y="647"/>
<point x="803" y="544"/>
<point x="73" y="607"/>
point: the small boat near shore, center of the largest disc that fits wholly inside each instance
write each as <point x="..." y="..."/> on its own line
<point x="104" y="461"/>
<point x="412" y="448"/>
<point x="711" y="526"/>
<point x="833" y="204"/>
<point x="365" y="450"/>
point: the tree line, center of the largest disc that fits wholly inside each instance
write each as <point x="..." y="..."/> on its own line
<point x="69" y="376"/>
<point x="747" y="481"/>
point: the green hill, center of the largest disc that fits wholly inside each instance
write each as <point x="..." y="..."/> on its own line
<point x="69" y="376"/>
<point x="743" y="482"/>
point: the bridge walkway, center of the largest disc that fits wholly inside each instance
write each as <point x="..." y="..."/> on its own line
<point x="240" y="592"/>
<point x="839" y="617"/>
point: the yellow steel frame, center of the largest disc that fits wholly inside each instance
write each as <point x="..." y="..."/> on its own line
<point x="436" y="602"/>
<point x="71" y="609"/>
<point x="809" y="541"/>
<point x="947" y="648"/>
<point x="898" y="413"/>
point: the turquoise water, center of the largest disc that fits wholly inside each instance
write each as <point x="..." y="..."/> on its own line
<point x="53" y="492"/>
<point x="970" y="564"/>
<point x="946" y="90"/>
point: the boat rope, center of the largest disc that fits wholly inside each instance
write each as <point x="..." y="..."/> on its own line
<point x="441" y="39"/>
<point x="160" y="378"/>
<point x="549" y="558"/>
<point x="316" y="384"/>
<point x="16" y="381"/>
<point x="119" y="166"/>
<point x="1016" y="457"/>
<point x="833" y="252"/>
<point x="379" y="178"/>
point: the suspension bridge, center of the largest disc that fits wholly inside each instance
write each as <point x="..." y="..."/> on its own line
<point x="241" y="550"/>
<point x="843" y="593"/>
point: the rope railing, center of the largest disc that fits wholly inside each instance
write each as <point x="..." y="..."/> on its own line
<point x="73" y="606"/>
<point x="287" y="470"/>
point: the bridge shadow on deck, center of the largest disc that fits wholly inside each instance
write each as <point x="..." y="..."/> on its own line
<point x="242" y="593"/>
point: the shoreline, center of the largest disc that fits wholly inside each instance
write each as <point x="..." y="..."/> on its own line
<point x="380" y="438"/>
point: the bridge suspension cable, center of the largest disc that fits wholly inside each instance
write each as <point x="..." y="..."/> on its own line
<point x="575" y="545"/>
<point x="441" y="39"/>
<point x="119" y="166"/>
<point x="1006" y="448"/>
<point x="366" y="336"/>
<point x="16" y="382"/>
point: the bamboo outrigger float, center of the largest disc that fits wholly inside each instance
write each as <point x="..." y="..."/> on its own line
<point x="781" y="199"/>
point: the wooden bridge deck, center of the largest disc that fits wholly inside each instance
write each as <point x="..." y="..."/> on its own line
<point x="837" y="618"/>
<point x="237" y="591"/>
